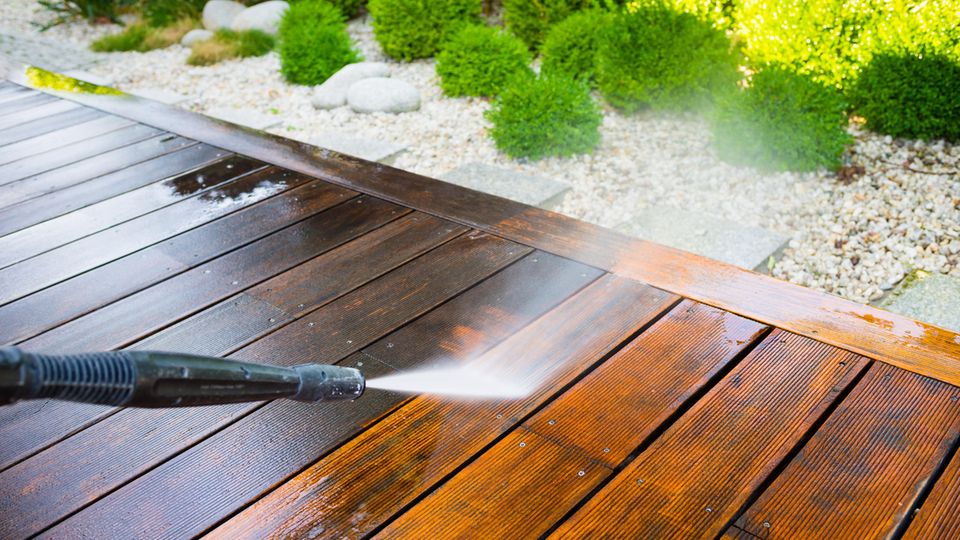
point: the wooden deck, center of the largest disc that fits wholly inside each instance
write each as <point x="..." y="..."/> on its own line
<point x="675" y="396"/>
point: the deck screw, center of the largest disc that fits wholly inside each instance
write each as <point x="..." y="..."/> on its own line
<point x="522" y="444"/>
<point x="766" y="524"/>
<point x="605" y="450"/>
<point x="843" y="363"/>
<point x="272" y="319"/>
<point x="581" y="473"/>
<point x="499" y="416"/>
<point x="639" y="481"/>
<point x="236" y="283"/>
<point x="300" y="306"/>
<point x="310" y="324"/>
<point x="709" y="509"/>
<point x="954" y="398"/>
<point x="552" y="422"/>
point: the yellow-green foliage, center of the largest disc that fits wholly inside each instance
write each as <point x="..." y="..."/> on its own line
<point x="479" y="60"/>
<point x="41" y="78"/>
<point x="228" y="45"/>
<point x="531" y="20"/>
<point x="571" y="47"/>
<point x="314" y="43"/>
<point x="409" y="29"/>
<point x="142" y="38"/>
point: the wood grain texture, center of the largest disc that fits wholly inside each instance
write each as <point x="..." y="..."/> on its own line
<point x="938" y="517"/>
<point x="365" y="482"/>
<point x="13" y="175"/>
<point x="694" y="478"/>
<point x="867" y="463"/>
<point x="71" y="199"/>
<point x="600" y="420"/>
<point x="48" y="124"/>
<point x="911" y="345"/>
<point x="8" y="121"/>
<point x="86" y="292"/>
<point x="23" y="102"/>
<point x="261" y="450"/>
<point x="63" y="137"/>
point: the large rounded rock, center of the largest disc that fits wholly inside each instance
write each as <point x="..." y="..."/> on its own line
<point x="380" y="94"/>
<point x="219" y="14"/>
<point x="333" y="92"/>
<point x="264" y="17"/>
<point x="194" y="36"/>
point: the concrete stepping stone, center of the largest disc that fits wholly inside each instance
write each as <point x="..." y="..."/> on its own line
<point x="932" y="298"/>
<point x="368" y="149"/>
<point x="161" y="94"/>
<point x="724" y="240"/>
<point x="245" y="117"/>
<point x="509" y="184"/>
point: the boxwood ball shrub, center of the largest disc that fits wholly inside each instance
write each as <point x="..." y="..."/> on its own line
<point x="652" y="56"/>
<point x="536" y="117"/>
<point x="314" y="43"/>
<point x="781" y="121"/>
<point x="479" y="60"/>
<point x="571" y="46"/>
<point x="409" y="29"/>
<point x="531" y="20"/>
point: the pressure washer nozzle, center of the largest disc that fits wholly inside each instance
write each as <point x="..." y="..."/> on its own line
<point x="163" y="379"/>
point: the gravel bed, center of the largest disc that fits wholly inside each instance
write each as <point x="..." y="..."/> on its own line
<point x="854" y="235"/>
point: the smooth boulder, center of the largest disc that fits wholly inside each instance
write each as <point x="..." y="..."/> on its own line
<point x="333" y="92"/>
<point x="219" y="14"/>
<point x="380" y="94"/>
<point x="195" y="36"/>
<point x="264" y="17"/>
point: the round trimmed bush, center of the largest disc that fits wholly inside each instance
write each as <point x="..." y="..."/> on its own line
<point x="531" y="20"/>
<point x="655" y="57"/>
<point x="536" y="117"/>
<point x="781" y="121"/>
<point x="409" y="29"/>
<point x="314" y="43"/>
<point x="571" y="47"/>
<point x="910" y="95"/>
<point x="479" y="60"/>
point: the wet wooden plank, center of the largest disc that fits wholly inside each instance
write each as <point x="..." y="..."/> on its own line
<point x="364" y="482"/>
<point x="71" y="199"/>
<point x="59" y="264"/>
<point x="21" y="171"/>
<point x="134" y="317"/>
<point x="868" y="463"/>
<point x="937" y="517"/>
<point x="82" y="171"/>
<point x="62" y="137"/>
<point x="461" y="263"/>
<point x="694" y="478"/>
<point x="35" y="113"/>
<point x="48" y="124"/>
<point x="24" y="101"/>
<point x="86" y="292"/>
<point x="591" y="428"/>
<point x="32" y="241"/>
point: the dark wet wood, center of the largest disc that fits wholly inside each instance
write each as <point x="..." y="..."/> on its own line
<point x="365" y="482"/>
<point x="63" y="137"/>
<point x="48" y="124"/>
<point x="937" y="517"/>
<point x="868" y="463"/>
<point x="694" y="478"/>
<point x="534" y="476"/>
<point x="271" y="451"/>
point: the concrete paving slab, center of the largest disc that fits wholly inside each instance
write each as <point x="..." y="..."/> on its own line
<point x="509" y="184"/>
<point x="363" y="148"/>
<point x="932" y="298"/>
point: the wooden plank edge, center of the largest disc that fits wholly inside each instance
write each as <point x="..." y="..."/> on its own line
<point x="894" y="339"/>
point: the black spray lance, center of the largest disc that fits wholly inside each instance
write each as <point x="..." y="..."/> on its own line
<point x="162" y="379"/>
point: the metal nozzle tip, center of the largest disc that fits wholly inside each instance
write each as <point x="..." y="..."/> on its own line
<point x="320" y="382"/>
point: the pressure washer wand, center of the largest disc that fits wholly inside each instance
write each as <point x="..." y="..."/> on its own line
<point x="163" y="379"/>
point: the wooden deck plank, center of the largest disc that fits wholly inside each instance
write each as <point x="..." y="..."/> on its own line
<point x="14" y="175"/>
<point x="280" y="439"/>
<point x="461" y="263"/>
<point x="62" y="137"/>
<point x="35" y="113"/>
<point x="695" y="478"/>
<point x="82" y="196"/>
<point x="363" y="483"/>
<point x="86" y="292"/>
<point x="937" y="517"/>
<point x="34" y="240"/>
<point x="138" y="315"/>
<point x="872" y="332"/>
<point x="593" y="427"/>
<point x="88" y="169"/>
<point x="59" y="264"/>
<point x="24" y="101"/>
<point x="12" y="93"/>
<point x="48" y="124"/>
<point x="868" y="463"/>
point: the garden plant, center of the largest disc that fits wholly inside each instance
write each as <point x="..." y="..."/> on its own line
<point x="479" y="60"/>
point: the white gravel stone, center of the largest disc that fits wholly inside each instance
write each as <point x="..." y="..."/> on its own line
<point x="264" y="17"/>
<point x="195" y="35"/>
<point x="380" y="94"/>
<point x="333" y="92"/>
<point x="219" y="14"/>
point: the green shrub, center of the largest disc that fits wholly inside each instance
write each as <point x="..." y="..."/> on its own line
<point x="349" y="8"/>
<point x="88" y="9"/>
<point x="479" y="60"/>
<point x="571" y="47"/>
<point x="314" y="43"/>
<point x="781" y="121"/>
<point x="654" y="56"/>
<point x="536" y="117"/>
<point x="409" y="29"/>
<point x="162" y="13"/>
<point x="910" y="95"/>
<point x="531" y="20"/>
<point x="131" y="38"/>
<point x="228" y="45"/>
